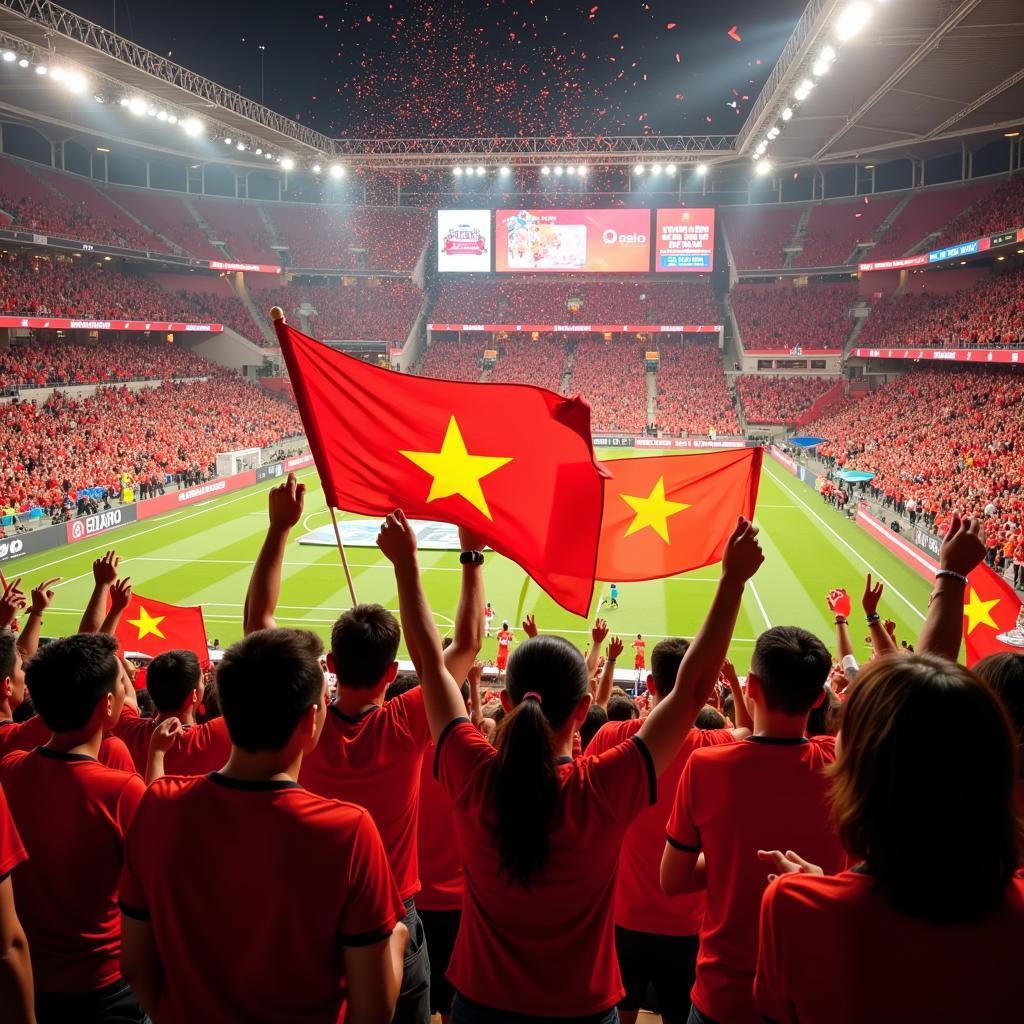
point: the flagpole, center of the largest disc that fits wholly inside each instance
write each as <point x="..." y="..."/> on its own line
<point x="277" y="313"/>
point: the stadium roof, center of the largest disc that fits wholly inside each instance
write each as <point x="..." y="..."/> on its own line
<point x="917" y="77"/>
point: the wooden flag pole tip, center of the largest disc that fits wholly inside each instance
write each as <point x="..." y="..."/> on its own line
<point x="276" y="313"/>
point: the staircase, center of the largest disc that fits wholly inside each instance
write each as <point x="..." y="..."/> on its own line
<point x="567" y="368"/>
<point x="800" y="234"/>
<point x="863" y="248"/>
<point x="652" y="396"/>
<point x="276" y="241"/>
<point x="204" y="226"/>
<point x="851" y="338"/>
<point x="242" y="290"/>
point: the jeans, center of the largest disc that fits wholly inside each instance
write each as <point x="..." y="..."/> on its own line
<point x="115" y="1004"/>
<point x="465" y="1011"/>
<point x="413" y="1006"/>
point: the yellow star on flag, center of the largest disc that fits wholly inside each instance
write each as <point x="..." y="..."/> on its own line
<point x="978" y="612"/>
<point x="455" y="471"/>
<point x="148" y="624"/>
<point x="654" y="511"/>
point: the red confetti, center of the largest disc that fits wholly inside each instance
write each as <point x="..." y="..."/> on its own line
<point x="671" y="25"/>
<point x="733" y="34"/>
<point x="677" y="58"/>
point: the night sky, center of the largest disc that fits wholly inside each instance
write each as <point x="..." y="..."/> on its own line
<point x="493" y="67"/>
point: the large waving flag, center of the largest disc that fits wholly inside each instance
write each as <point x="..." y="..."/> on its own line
<point x="511" y="461"/>
<point x="992" y="616"/>
<point x="673" y="513"/>
<point x="152" y="627"/>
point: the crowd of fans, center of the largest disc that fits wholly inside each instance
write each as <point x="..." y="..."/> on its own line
<point x="989" y="313"/>
<point x="612" y="377"/>
<point x="998" y="210"/>
<point x="448" y="358"/>
<point x="524" y="361"/>
<point x="939" y="440"/>
<point x="781" y="318"/>
<point x="834" y="230"/>
<point x="64" y="444"/>
<point x="771" y="399"/>
<point x="692" y="393"/>
<point x="38" y="364"/>
<point x="757" y="234"/>
<point x="169" y="215"/>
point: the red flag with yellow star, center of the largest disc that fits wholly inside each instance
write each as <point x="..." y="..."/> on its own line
<point x="673" y="513"/>
<point x="992" y="616"/>
<point x="152" y="627"/>
<point x="512" y="462"/>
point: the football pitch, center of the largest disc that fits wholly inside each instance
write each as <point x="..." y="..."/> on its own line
<point x="204" y="555"/>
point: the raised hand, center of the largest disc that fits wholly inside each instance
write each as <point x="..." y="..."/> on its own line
<point x="396" y="539"/>
<point x="42" y="595"/>
<point x="890" y="627"/>
<point x="476" y="673"/>
<point x="104" y="570"/>
<point x="599" y="632"/>
<point x="471" y="540"/>
<point x="963" y="547"/>
<point x="121" y="594"/>
<point x="615" y="646"/>
<point x="872" y="595"/>
<point x="743" y="555"/>
<point x="165" y="735"/>
<point x="729" y="676"/>
<point x="530" y="626"/>
<point x="285" y="502"/>
<point x="12" y="601"/>
<point x="839" y="602"/>
<point x="788" y="863"/>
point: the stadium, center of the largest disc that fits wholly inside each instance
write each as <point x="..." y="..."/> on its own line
<point x="578" y="291"/>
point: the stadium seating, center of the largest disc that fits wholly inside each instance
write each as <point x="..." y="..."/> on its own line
<point x="451" y="359"/>
<point x="778" y="317"/>
<point x="692" y="393"/>
<point x="834" y="230"/>
<point x="757" y="234"/>
<point x="239" y="226"/>
<point x="770" y="399"/>
<point x="167" y="213"/>
<point x="213" y="298"/>
<point x="524" y="361"/>
<point x="611" y="375"/>
<point x="989" y="313"/>
<point x="1001" y="208"/>
<point x="91" y="442"/>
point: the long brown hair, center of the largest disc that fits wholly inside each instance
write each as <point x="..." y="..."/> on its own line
<point x="922" y="789"/>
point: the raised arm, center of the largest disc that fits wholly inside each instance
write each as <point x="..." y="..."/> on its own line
<point x="285" y="503"/>
<point x="664" y="728"/>
<point x="840" y="605"/>
<point x="16" y="996"/>
<point x="607" y="681"/>
<point x="741" y="716"/>
<point x="120" y="597"/>
<point x="881" y="642"/>
<point x="11" y="602"/>
<point x="476" y="707"/>
<point x="468" y="634"/>
<point x="42" y="598"/>
<point x="104" y="573"/>
<point x="597" y="634"/>
<point x="962" y="550"/>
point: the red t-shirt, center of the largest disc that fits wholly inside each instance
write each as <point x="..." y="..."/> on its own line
<point x="441" y="883"/>
<point x="33" y="732"/>
<point x="12" y="850"/>
<point x="72" y="813"/>
<point x="639" y="646"/>
<point x="640" y="901"/>
<point x="197" y="750"/>
<point x="834" y="952"/>
<point x="374" y="760"/>
<point x="510" y="953"/>
<point x="761" y="794"/>
<point x="253" y="888"/>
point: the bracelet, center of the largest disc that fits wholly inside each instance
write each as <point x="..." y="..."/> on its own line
<point x="952" y="575"/>
<point x="873" y="618"/>
<point x="840" y="620"/>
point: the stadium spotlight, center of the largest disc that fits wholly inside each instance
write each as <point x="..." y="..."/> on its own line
<point x="639" y="169"/>
<point x="852" y="19"/>
<point x="40" y="69"/>
<point x="773" y="132"/>
<point x="315" y="168"/>
<point x="137" y="105"/>
<point x="545" y="171"/>
<point x="480" y="172"/>
<point x="227" y="140"/>
<point x="457" y="171"/>
<point x="240" y="147"/>
<point x="803" y="90"/>
<point x="337" y="171"/>
<point x="172" y="118"/>
<point x="702" y="169"/>
<point x="764" y="167"/>
<point x="820" y="68"/>
<point x="99" y="97"/>
<point x="162" y="115"/>
<point x="192" y="126"/>
<point x="287" y="163"/>
<point x="656" y="169"/>
<point x="269" y="156"/>
<point x="571" y="171"/>
<point x="9" y="56"/>
<point x="75" y="82"/>
<point x="559" y="170"/>
<point x="582" y="170"/>
<point x="23" y="63"/>
<point x="828" y="54"/>
<point x="151" y="111"/>
<point x="787" y="113"/>
<point x="57" y="74"/>
<point x="504" y="171"/>
<point x="670" y="169"/>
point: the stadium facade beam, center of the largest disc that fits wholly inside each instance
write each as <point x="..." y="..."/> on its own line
<point x="970" y="108"/>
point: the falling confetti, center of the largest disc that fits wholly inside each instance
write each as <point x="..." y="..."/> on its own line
<point x="733" y="34"/>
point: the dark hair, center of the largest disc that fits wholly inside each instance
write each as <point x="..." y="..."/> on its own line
<point x="791" y="666"/>
<point x="171" y="677"/>
<point x="147" y="706"/>
<point x="621" y="709"/>
<point x="666" y="658"/>
<point x="8" y="653"/>
<point x="266" y="683"/>
<point x="364" y="642"/>
<point x="596" y="717"/>
<point x="709" y="718"/>
<point x="69" y="677"/>
<point x="823" y="719"/>
<point x="525" y="777"/>
<point x="403" y="683"/>
<point x="1004" y="672"/>
<point x="927" y="763"/>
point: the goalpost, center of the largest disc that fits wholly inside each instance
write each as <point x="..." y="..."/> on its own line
<point x="232" y="463"/>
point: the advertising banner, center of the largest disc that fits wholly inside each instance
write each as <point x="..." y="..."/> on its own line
<point x="464" y="241"/>
<point x="251" y="268"/>
<point x="584" y="328"/>
<point x="191" y="495"/>
<point x="584" y="241"/>
<point x="101" y="522"/>
<point x="944" y="355"/>
<point x="31" y="543"/>
<point x="64" y="324"/>
<point x="684" y="241"/>
<point x="613" y="441"/>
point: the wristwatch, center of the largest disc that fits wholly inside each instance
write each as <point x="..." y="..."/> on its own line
<point x="471" y="558"/>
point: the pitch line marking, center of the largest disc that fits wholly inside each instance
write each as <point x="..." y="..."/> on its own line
<point x="760" y="604"/>
<point x="846" y="544"/>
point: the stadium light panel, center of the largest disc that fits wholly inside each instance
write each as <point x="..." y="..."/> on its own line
<point x="670" y="169"/>
<point x="123" y="101"/>
<point x="773" y="132"/>
<point x="227" y="140"/>
<point x="172" y="118"/>
<point x="287" y="163"/>
<point x="787" y="113"/>
<point x="702" y="169"/>
<point x="240" y="147"/>
<point x="480" y="172"/>
<point x="570" y="170"/>
<point x="151" y="111"/>
<point x="582" y="170"/>
<point x="657" y="169"/>
<point x="192" y="126"/>
<point x="57" y="74"/>
<point x="269" y="156"/>
<point x="457" y="171"/>
<point x="137" y="105"/>
<point x="337" y="171"/>
<point x="545" y="171"/>
<point x="9" y="56"/>
<point x="40" y="69"/>
<point x="828" y="54"/>
<point x="559" y="170"/>
<point x="504" y="171"/>
<point x="315" y="168"/>
<point x="821" y="67"/>
<point x="803" y="90"/>
<point x="162" y="115"/>
<point x="852" y="19"/>
<point x="764" y="167"/>
<point x="23" y="63"/>
<point x="98" y="97"/>
<point x="639" y="169"/>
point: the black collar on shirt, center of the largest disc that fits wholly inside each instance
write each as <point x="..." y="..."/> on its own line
<point x="779" y="741"/>
<point x="63" y="755"/>
<point x="251" y="784"/>
<point x="564" y="759"/>
<point x="353" y="718"/>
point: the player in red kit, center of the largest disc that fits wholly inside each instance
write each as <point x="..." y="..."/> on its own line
<point x="504" y="643"/>
<point x="639" y="656"/>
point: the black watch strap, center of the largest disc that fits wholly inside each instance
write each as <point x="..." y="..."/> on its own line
<point x="471" y="558"/>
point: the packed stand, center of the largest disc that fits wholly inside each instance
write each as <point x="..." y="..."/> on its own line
<point x="780" y="318"/>
<point x="612" y="377"/>
<point x="1000" y="210"/>
<point x="834" y="230"/>
<point x="769" y="399"/>
<point x="524" y="361"/>
<point x="450" y="359"/>
<point x="990" y="313"/>
<point x="38" y="364"/>
<point x="239" y="226"/>
<point x="65" y="444"/>
<point x="757" y="234"/>
<point x="692" y="394"/>
<point x="939" y="441"/>
<point x="169" y="215"/>
<point x="388" y="239"/>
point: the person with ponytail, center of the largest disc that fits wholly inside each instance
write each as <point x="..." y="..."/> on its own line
<point x="540" y="832"/>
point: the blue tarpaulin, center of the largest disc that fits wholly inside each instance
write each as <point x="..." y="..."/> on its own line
<point x="807" y="442"/>
<point x="855" y="476"/>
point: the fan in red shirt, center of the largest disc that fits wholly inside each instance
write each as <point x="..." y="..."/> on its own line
<point x="655" y="934"/>
<point x="639" y="653"/>
<point x="536" y="936"/>
<point x="371" y="752"/>
<point x="927" y="926"/>
<point x="306" y="920"/>
<point x="734" y="800"/>
<point x="72" y="814"/>
<point x="505" y="638"/>
<point x="15" y="963"/>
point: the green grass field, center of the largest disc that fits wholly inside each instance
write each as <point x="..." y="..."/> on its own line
<point x="203" y="555"/>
